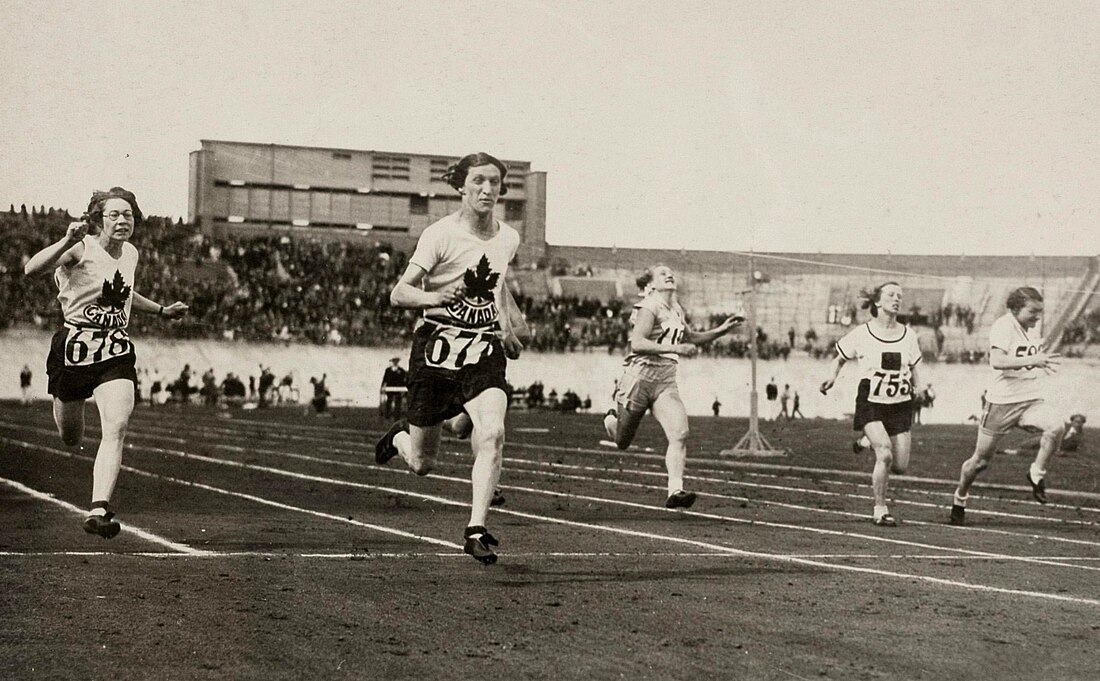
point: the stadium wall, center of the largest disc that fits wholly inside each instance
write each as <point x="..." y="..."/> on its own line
<point x="355" y="374"/>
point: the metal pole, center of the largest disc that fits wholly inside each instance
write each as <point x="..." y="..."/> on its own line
<point x="754" y="412"/>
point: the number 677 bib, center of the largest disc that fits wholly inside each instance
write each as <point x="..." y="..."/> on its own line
<point x="451" y="348"/>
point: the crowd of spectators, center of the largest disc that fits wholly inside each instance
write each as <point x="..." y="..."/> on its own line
<point x="307" y="290"/>
<point x="1085" y="330"/>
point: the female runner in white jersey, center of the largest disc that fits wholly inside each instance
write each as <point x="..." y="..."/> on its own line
<point x="659" y="336"/>
<point x="888" y="355"/>
<point x="458" y="360"/>
<point x="91" y="355"/>
<point x="1014" y="399"/>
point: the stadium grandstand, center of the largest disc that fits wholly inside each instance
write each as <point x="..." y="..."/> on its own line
<point x="299" y="286"/>
<point x="303" y="244"/>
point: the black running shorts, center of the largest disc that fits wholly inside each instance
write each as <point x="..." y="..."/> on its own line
<point x="71" y="367"/>
<point x="896" y="418"/>
<point x="448" y="367"/>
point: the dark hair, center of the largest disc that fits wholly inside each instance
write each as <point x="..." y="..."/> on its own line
<point x="646" y="278"/>
<point x="1022" y="296"/>
<point x="456" y="172"/>
<point x="94" y="214"/>
<point x="871" y="298"/>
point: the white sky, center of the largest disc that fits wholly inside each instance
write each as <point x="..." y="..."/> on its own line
<point x="928" y="127"/>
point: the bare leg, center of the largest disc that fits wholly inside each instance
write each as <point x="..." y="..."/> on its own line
<point x="486" y="411"/>
<point x="622" y="426"/>
<point x="978" y="461"/>
<point x="884" y="460"/>
<point x="69" y="418"/>
<point x="115" y="401"/>
<point x="669" y="411"/>
<point x="418" y="447"/>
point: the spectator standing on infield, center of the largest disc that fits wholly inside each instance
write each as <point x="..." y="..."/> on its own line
<point x="25" y="384"/>
<point x="457" y="364"/>
<point x="392" y="402"/>
<point x="784" y="401"/>
<point x="91" y="355"/>
<point x="796" y="410"/>
<point x="771" y="392"/>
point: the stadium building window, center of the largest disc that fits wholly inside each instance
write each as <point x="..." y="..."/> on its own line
<point x="513" y="211"/>
<point x="418" y="205"/>
<point x="341" y="155"/>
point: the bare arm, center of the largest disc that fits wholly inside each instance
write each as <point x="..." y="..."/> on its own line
<point x="701" y="337"/>
<point x="1048" y="361"/>
<point x="408" y="293"/>
<point x="834" y="371"/>
<point x="65" y="252"/>
<point x="914" y="377"/>
<point x="640" y="344"/>
<point x="143" y="304"/>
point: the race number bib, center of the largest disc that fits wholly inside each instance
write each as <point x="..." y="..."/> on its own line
<point x="451" y="348"/>
<point x="85" y="347"/>
<point x="890" y="387"/>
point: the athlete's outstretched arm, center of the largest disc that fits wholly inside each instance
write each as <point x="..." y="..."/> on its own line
<point x="408" y="293"/>
<point x="143" y="304"/>
<point x="701" y="337"/>
<point x="837" y="364"/>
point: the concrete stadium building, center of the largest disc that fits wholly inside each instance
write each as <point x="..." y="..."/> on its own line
<point x="252" y="188"/>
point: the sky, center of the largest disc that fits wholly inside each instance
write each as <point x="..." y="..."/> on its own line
<point x="865" y="127"/>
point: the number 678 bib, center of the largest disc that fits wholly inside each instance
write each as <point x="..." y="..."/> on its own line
<point x="85" y="347"/>
<point x="451" y="348"/>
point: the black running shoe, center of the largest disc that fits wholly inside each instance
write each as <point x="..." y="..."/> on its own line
<point x="958" y="515"/>
<point x="498" y="498"/>
<point x="1038" y="489"/>
<point x="856" y="447"/>
<point x="104" y="525"/>
<point x="680" y="499"/>
<point x="384" y="450"/>
<point x="481" y="546"/>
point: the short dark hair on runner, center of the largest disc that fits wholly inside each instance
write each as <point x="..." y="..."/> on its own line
<point x="94" y="214"/>
<point x="1022" y="296"/>
<point x="456" y="172"/>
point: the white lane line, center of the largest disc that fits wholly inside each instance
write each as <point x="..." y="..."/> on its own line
<point x="76" y="510"/>
<point x="633" y="555"/>
<point x="778" y="504"/>
<point x="712" y="516"/>
<point x="802" y="490"/>
<point x="707" y="466"/>
<point x="622" y="483"/>
<point x="814" y="509"/>
<point x="667" y="538"/>
<point x="242" y="495"/>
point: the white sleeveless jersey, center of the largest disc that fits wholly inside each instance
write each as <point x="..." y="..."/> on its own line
<point x="1014" y="385"/>
<point x="97" y="291"/>
<point x="668" y="329"/>
<point x="886" y="364"/>
<point x="449" y="253"/>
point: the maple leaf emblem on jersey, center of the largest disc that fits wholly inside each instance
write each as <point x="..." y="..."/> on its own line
<point x="481" y="281"/>
<point x="115" y="293"/>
